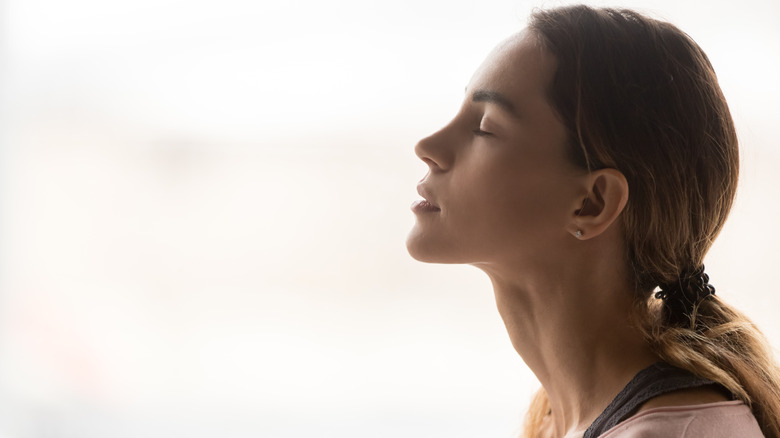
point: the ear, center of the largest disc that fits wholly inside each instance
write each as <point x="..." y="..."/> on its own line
<point x="606" y="199"/>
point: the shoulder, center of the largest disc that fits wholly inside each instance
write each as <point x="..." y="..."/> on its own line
<point x="711" y="420"/>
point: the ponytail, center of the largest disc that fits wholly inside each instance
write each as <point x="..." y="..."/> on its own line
<point x="723" y="345"/>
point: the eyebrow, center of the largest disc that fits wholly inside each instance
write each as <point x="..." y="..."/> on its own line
<point x="495" y="98"/>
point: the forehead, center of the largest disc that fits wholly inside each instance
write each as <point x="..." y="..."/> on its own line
<point x="518" y="68"/>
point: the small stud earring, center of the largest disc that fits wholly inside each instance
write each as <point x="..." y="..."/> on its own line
<point x="578" y="234"/>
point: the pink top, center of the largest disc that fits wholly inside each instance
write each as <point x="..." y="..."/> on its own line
<point x="711" y="420"/>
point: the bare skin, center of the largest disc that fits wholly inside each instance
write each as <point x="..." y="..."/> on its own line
<point x="502" y="194"/>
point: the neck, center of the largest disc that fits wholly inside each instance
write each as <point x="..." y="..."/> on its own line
<point x="574" y="329"/>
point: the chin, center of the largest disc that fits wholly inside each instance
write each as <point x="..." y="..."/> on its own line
<point x="420" y="246"/>
<point x="426" y="248"/>
<point x="421" y="255"/>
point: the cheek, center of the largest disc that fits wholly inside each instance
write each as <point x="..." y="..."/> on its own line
<point x="514" y="200"/>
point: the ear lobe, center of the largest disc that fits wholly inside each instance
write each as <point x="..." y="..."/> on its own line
<point x="607" y="197"/>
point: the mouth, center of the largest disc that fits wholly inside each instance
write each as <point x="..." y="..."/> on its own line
<point x="424" y="205"/>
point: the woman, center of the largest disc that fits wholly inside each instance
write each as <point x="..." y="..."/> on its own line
<point x="590" y="168"/>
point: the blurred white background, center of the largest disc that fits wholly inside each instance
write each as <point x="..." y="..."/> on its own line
<point x="203" y="208"/>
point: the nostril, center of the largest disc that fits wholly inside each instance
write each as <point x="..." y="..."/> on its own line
<point x="433" y="166"/>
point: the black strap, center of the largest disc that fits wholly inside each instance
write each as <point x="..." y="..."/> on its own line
<point x="652" y="381"/>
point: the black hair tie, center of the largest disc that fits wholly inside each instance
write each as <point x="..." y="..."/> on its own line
<point x="681" y="296"/>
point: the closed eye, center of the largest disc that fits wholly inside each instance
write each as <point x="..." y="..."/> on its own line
<point x="480" y="133"/>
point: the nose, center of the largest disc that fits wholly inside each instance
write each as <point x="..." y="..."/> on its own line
<point x="436" y="151"/>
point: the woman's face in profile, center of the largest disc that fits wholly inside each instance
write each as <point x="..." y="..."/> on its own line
<point x="500" y="186"/>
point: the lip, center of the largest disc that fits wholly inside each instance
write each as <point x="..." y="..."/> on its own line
<point x="425" y="205"/>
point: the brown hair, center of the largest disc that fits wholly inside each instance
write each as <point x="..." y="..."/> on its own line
<point x="640" y="96"/>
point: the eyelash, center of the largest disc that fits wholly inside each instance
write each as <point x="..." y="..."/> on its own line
<point x="481" y="133"/>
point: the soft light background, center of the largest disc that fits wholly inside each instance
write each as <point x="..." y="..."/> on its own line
<point x="203" y="208"/>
